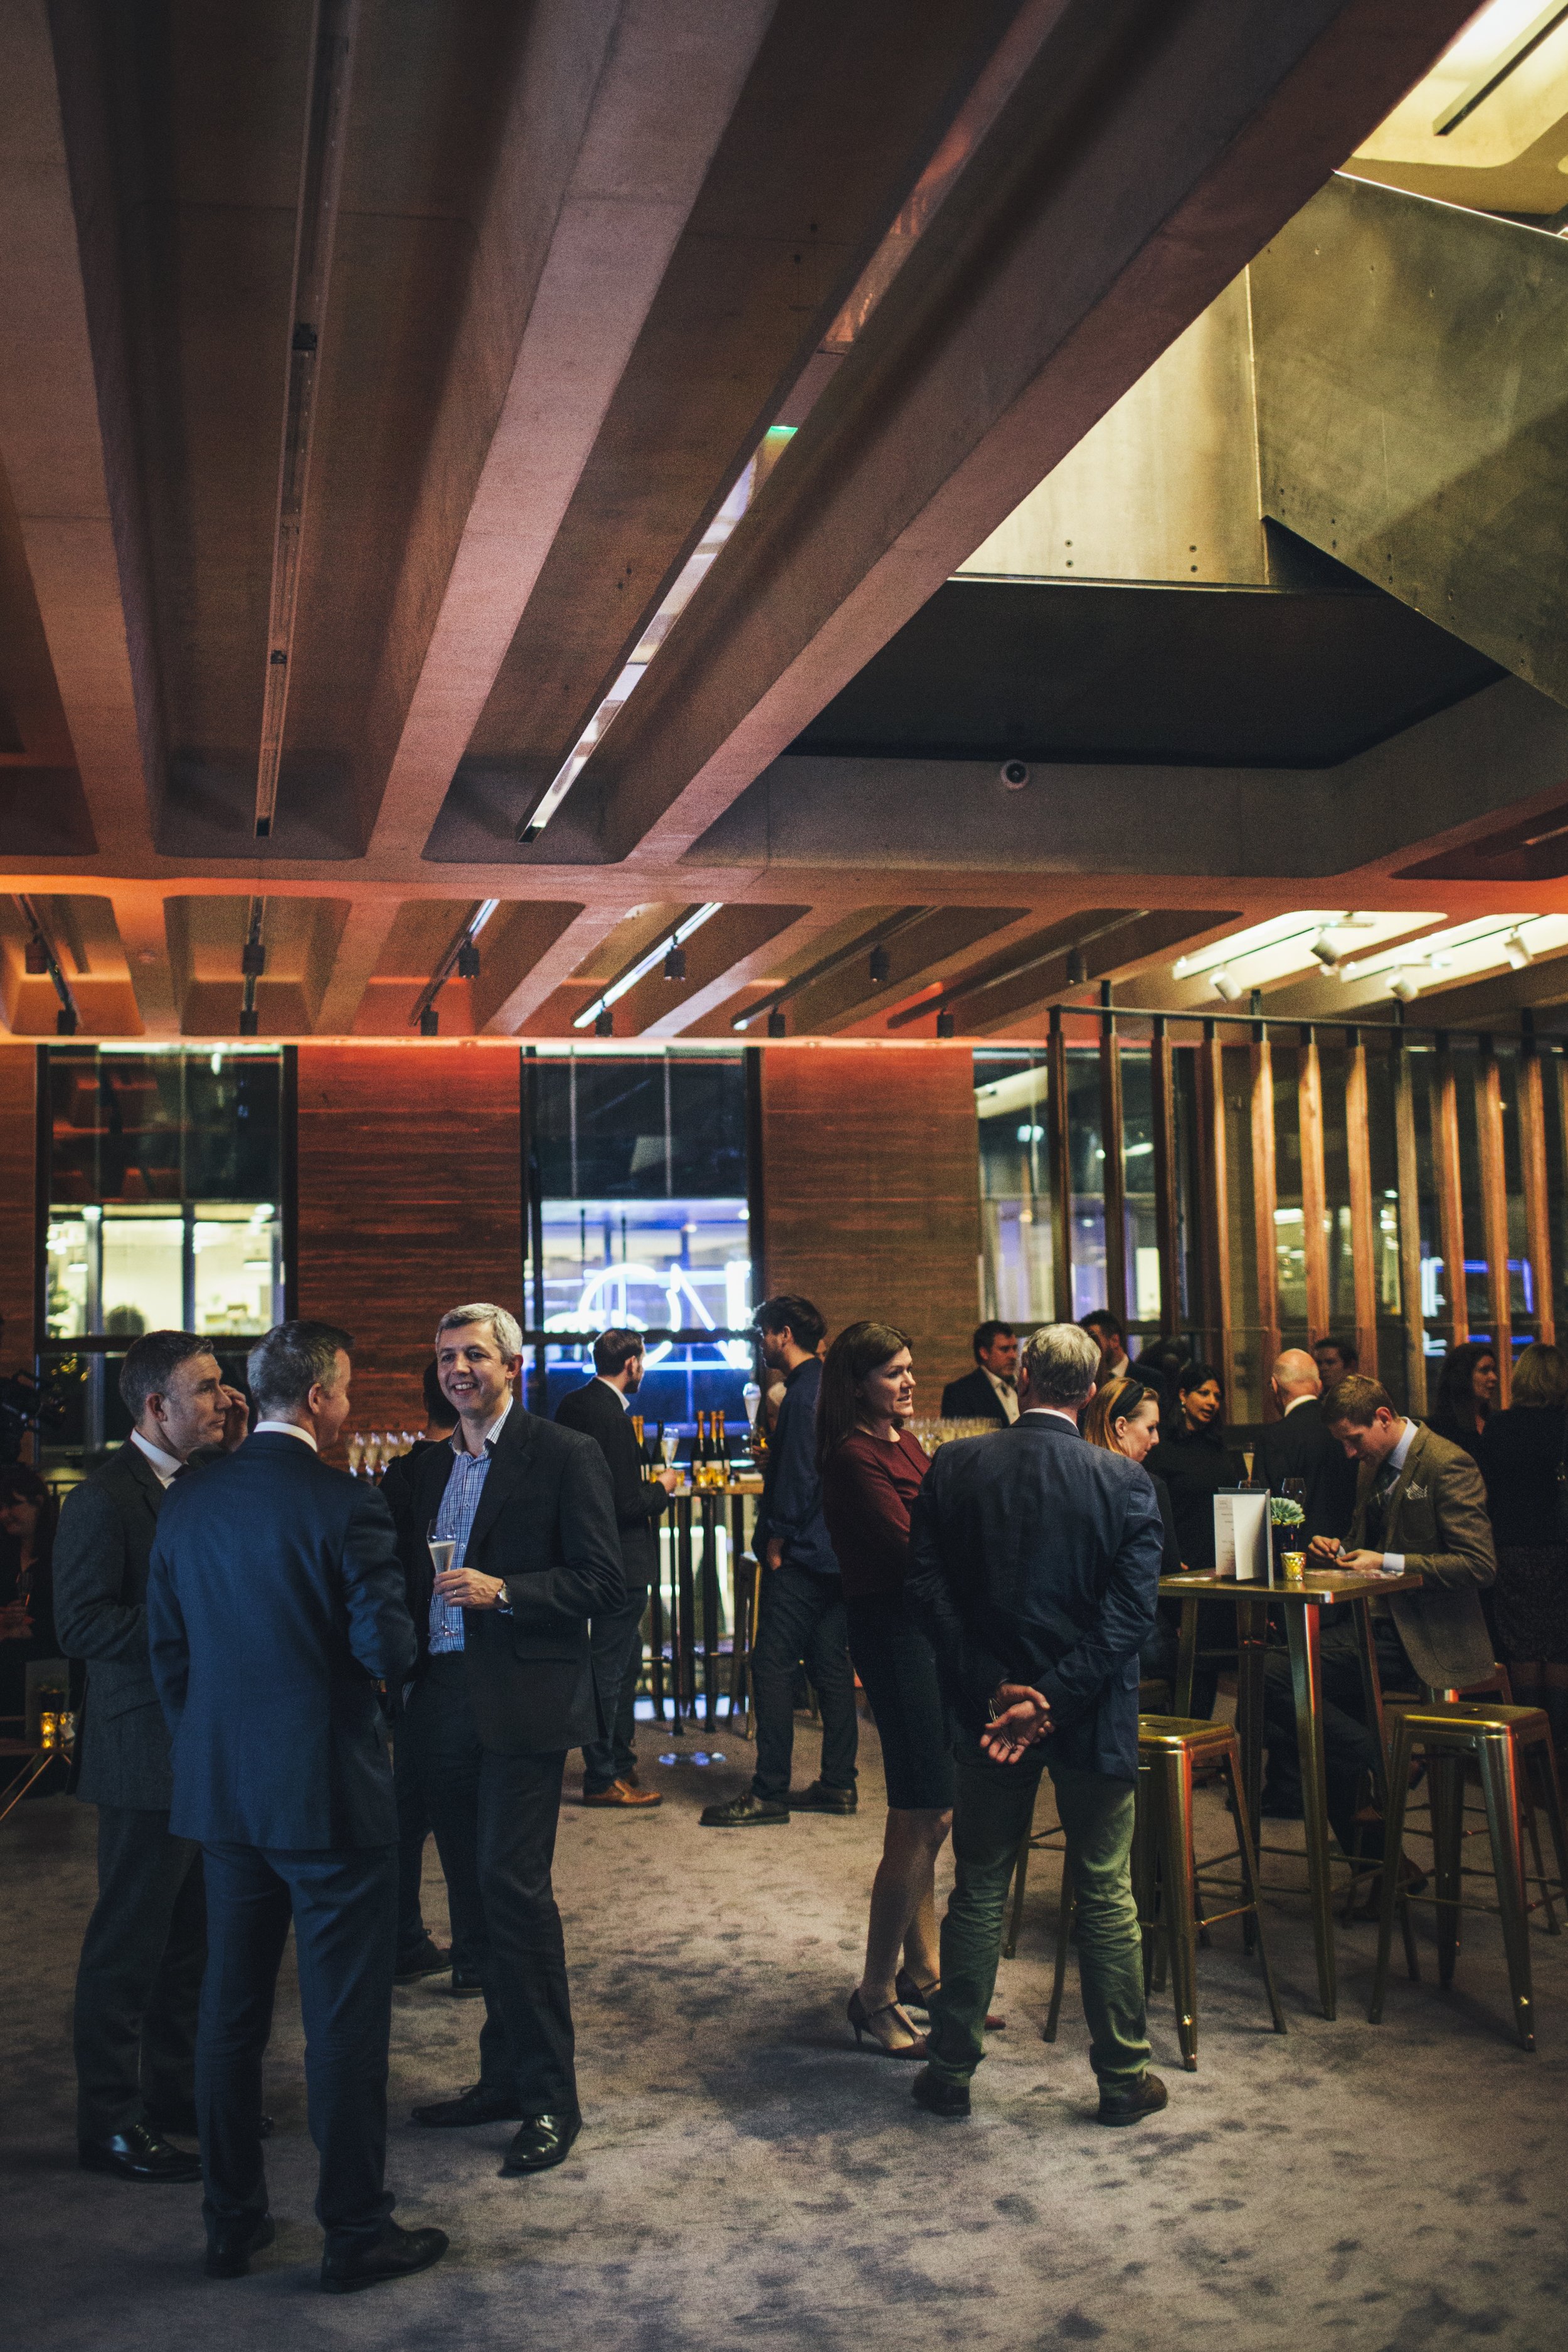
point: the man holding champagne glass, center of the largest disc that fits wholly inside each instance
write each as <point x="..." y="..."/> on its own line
<point x="510" y="1546"/>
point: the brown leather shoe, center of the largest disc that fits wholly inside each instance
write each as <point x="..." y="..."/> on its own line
<point x="622" y="1797"/>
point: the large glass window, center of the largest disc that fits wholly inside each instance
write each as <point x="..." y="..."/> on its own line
<point x="164" y="1180"/>
<point x="642" y="1169"/>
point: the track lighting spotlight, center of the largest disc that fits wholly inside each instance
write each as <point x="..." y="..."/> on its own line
<point x="946" y="1025"/>
<point x="605" y="1026"/>
<point x="1517" y="954"/>
<point x="248" y="1021"/>
<point x="675" y="962"/>
<point x="1224" y="985"/>
<point x="430" y="1023"/>
<point x="35" y="959"/>
<point x="65" y="1022"/>
<point x="1404" y="986"/>
<point x="469" y="962"/>
<point x="1077" y="969"/>
<point x="776" y="1023"/>
<point x="879" y="967"/>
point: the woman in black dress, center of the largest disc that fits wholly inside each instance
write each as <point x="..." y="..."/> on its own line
<point x="1467" y="1391"/>
<point x="871" y="1472"/>
<point x="1521" y="1451"/>
<point x="28" y="1518"/>
<point x="1196" y="1462"/>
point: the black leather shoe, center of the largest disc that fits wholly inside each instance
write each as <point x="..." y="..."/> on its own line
<point x="397" y="2254"/>
<point x="478" y="2105"/>
<point x="744" y="1812"/>
<point x="1147" y="2098"/>
<point x="466" y="1984"/>
<point x="425" y="1959"/>
<point x="543" y="2140"/>
<point x="139" y="2153"/>
<point x="231" y="2244"/>
<point x="938" y="2095"/>
<point x="820" y="1799"/>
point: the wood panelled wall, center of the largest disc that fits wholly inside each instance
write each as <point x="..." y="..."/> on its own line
<point x="408" y="1202"/>
<point x="19" y="1236"/>
<point x="870" y="1162"/>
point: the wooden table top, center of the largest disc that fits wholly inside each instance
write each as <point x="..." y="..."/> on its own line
<point x="1318" y="1586"/>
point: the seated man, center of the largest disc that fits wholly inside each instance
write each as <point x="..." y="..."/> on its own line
<point x="1420" y="1510"/>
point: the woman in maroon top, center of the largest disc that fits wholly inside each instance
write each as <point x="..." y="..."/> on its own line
<point x="871" y="1472"/>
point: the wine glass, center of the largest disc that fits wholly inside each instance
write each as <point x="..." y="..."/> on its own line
<point x="373" y="1453"/>
<point x="670" y="1445"/>
<point x="356" y="1454"/>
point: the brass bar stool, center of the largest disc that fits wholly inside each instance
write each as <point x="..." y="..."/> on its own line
<point x="1503" y="1743"/>
<point x="1152" y="1695"/>
<point x="1168" y="1880"/>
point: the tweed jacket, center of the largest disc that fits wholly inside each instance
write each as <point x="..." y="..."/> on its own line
<point x="1437" y="1518"/>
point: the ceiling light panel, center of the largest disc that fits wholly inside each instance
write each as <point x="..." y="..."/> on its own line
<point x="1306" y="942"/>
<point x="1467" y="948"/>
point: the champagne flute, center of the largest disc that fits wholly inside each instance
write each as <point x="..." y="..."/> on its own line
<point x="670" y="1445"/>
<point x="356" y="1454"/>
<point x="441" y="1548"/>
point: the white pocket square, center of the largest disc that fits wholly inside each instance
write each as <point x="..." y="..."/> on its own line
<point x="1416" y="1494"/>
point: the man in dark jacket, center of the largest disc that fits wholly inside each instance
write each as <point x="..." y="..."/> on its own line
<point x="275" y="1613"/>
<point x="504" y="1686"/>
<point x="1297" y="1446"/>
<point x="989" y="1391"/>
<point x="599" y="1409"/>
<point x="141" y="1969"/>
<point x="801" y="1618"/>
<point x="1036" y="1566"/>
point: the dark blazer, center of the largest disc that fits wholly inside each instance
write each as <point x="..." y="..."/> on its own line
<point x="973" y="1398"/>
<point x="546" y="1523"/>
<point x="1300" y="1447"/>
<point x="1437" y="1518"/>
<point x="101" y="1553"/>
<point x="1034" y="1558"/>
<point x="274" y="1609"/>
<point x="1194" y="1469"/>
<point x="1520" y="1453"/>
<point x="597" y="1410"/>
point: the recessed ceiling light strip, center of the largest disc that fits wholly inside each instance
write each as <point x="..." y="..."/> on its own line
<point x="645" y="964"/>
<point x="461" y="956"/>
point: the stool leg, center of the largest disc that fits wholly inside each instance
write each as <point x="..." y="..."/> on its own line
<point x="1527" y="1791"/>
<point x="1067" y="1906"/>
<point x="1445" y="1781"/>
<point x="1187" y="1654"/>
<point x="1393" y="1843"/>
<point x="1175" y="1781"/>
<point x="1552" y="1790"/>
<point x="1500" y="1786"/>
<point x="1145" y="1878"/>
<point x="1254" y="1915"/>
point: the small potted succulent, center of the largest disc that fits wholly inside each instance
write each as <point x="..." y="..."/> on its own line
<point x="1288" y="1519"/>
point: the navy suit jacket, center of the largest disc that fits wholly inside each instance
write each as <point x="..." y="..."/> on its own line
<point x="275" y="1607"/>
<point x="973" y="1398"/>
<point x="1034" y="1558"/>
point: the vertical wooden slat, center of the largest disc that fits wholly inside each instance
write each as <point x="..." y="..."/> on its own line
<point x="1167" y="1205"/>
<point x="1363" y="1230"/>
<point x="1212" y="1193"/>
<point x="1061" y="1160"/>
<point x="1537" y="1212"/>
<point x="1450" y="1200"/>
<point x="1265" y="1201"/>
<point x="1314" y="1187"/>
<point x="1494" y="1210"/>
<point x="1114" y="1181"/>
<point x="1408" y="1180"/>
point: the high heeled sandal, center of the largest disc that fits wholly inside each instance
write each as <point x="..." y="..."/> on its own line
<point x="864" y="2020"/>
<point x="910" y="1995"/>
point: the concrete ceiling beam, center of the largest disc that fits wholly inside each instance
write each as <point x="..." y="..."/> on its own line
<point x="799" y="944"/>
<point x="66" y="441"/>
<point x="140" y="920"/>
<point x="1143" y="160"/>
<point x="357" y="950"/>
<point x="588" y="929"/>
<point x="651" y="88"/>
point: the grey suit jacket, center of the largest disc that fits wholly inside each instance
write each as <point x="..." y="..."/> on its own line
<point x="1437" y="1517"/>
<point x="102" y="1555"/>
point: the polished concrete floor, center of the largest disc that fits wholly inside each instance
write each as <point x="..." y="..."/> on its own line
<point x="746" y="2178"/>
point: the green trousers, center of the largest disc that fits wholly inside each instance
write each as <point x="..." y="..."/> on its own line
<point x="995" y="1806"/>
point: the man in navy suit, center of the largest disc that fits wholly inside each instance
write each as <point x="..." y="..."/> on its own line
<point x="1035" y="1563"/>
<point x="275" y="1613"/>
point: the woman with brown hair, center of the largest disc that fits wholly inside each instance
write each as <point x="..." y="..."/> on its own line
<point x="1467" y="1391"/>
<point x="1521" y="1453"/>
<point x="871" y="1472"/>
<point x="28" y="1518"/>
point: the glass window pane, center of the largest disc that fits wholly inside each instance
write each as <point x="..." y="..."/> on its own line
<point x="143" y="1274"/>
<point x="232" y="1126"/>
<point x="237" y="1251"/>
<point x="67" y="1304"/>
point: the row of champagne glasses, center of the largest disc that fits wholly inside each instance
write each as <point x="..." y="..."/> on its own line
<point x="369" y="1455"/>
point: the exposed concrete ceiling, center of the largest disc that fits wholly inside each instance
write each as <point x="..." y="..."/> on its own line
<point x="583" y="258"/>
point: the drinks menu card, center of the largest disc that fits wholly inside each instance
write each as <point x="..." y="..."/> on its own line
<point x="1241" y="1539"/>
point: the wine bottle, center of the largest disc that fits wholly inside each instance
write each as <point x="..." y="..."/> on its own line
<point x="721" y="1453"/>
<point x="637" y="1433"/>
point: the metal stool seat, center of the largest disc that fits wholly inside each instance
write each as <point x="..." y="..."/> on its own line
<point x="1168" y="1880"/>
<point x="1504" y="1743"/>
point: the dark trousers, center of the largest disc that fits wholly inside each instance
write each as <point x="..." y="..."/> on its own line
<point x="993" y="1807"/>
<point x="1349" y="1745"/>
<point x="140" y="1974"/>
<point x="494" y="1818"/>
<point x="801" y="1621"/>
<point x="615" y="1641"/>
<point x="344" y="1907"/>
<point x="413" y="1829"/>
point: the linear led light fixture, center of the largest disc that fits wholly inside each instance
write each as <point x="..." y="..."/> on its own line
<point x="1439" y="950"/>
<point x="962" y="990"/>
<point x="252" y="964"/>
<point x="321" y="182"/>
<point x="865" y="945"/>
<point x="1507" y="61"/>
<point x="423" y="1016"/>
<point x="41" y="958"/>
<point x="645" y="964"/>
